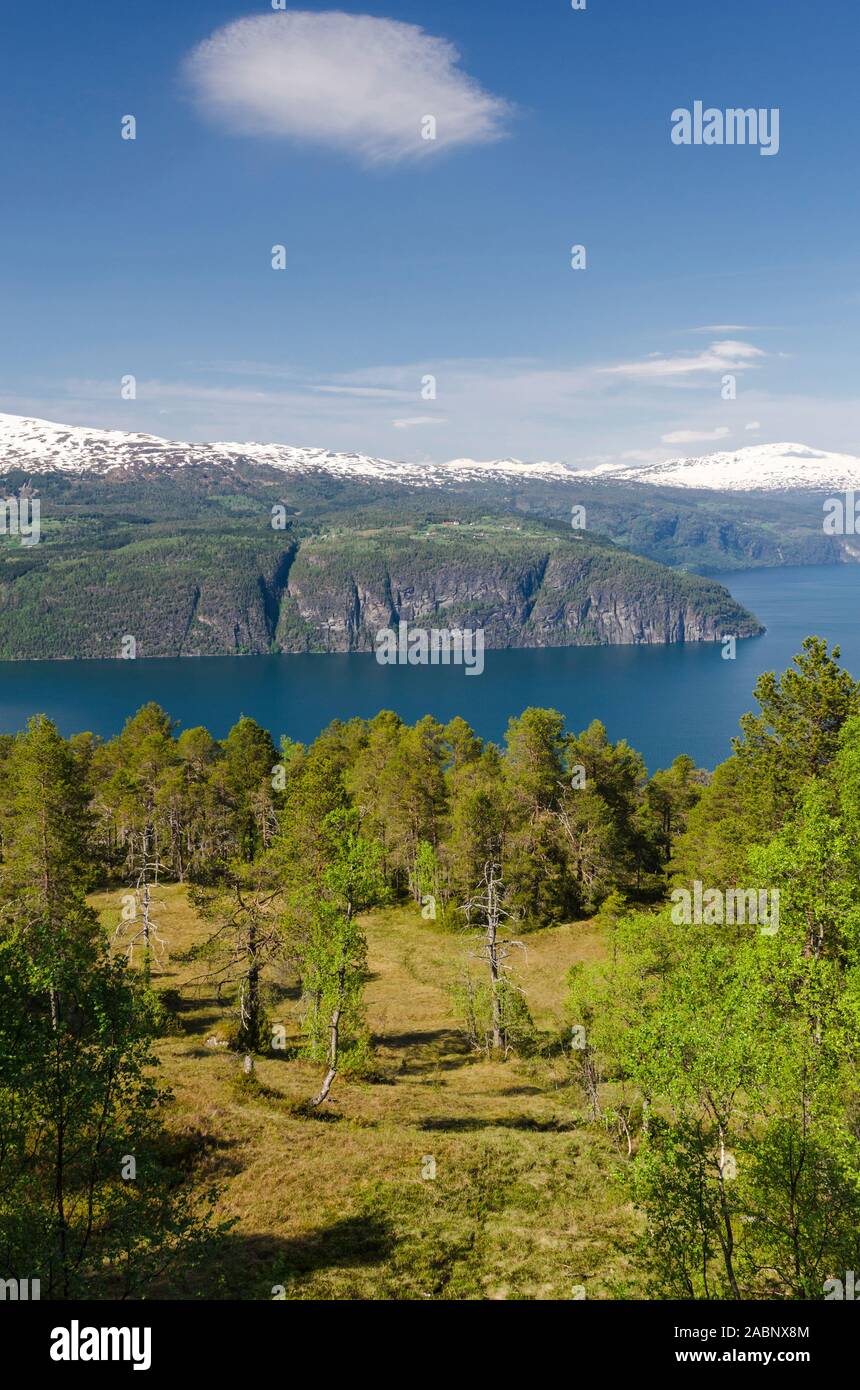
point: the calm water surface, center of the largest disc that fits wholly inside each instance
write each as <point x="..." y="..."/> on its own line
<point x="664" y="700"/>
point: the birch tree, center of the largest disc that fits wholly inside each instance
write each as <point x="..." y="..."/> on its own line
<point x="348" y="882"/>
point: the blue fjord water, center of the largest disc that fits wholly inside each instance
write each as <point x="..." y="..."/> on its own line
<point x="663" y="700"/>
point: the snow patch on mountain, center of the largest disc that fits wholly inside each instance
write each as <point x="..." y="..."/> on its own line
<point x="41" y="446"/>
<point x="756" y="468"/>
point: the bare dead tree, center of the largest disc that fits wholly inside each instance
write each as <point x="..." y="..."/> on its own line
<point x="138" y="923"/>
<point x="488" y="904"/>
<point x="585" y="834"/>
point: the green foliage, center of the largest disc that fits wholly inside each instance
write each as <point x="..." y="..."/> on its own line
<point x="426" y="872"/>
<point x="246" y="939"/>
<point x="191" y="566"/>
<point x="78" y="1100"/>
<point x="796" y="734"/>
<point x="741" y="1043"/>
<point x="717" y="1063"/>
<point x="472" y="1003"/>
<point x="793" y="738"/>
<point x="327" y="892"/>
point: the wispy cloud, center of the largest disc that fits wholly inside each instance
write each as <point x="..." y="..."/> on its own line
<point x="354" y="83"/>
<point x="367" y="393"/>
<point x="724" y="356"/>
<point x="415" y="421"/>
<point x="725" y="328"/>
<point x="694" y="436"/>
<point x="483" y="408"/>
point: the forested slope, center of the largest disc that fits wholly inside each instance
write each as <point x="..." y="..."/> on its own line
<point x="223" y="581"/>
<point x="416" y="992"/>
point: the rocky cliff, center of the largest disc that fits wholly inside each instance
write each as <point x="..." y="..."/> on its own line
<point x="245" y="589"/>
<point x="523" y="589"/>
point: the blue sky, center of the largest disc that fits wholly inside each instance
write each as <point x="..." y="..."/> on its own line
<point x="152" y="257"/>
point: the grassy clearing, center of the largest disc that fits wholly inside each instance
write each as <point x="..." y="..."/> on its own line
<point x="527" y="1200"/>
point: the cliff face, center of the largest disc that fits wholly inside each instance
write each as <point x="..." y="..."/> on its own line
<point x="566" y="593"/>
<point x="240" y="593"/>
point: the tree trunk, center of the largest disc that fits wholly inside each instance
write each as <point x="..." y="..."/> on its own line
<point x="147" y="949"/>
<point x="251" y="1020"/>
<point x="727" y="1240"/>
<point x="332" y="1059"/>
<point x="60" y="1176"/>
<point x="493" y="953"/>
<point x="334" y="1033"/>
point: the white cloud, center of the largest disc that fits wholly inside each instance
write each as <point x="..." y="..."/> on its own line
<point x="694" y="436"/>
<point x="351" y="82"/>
<point x="363" y="392"/>
<point x="753" y="425"/>
<point x="518" y="407"/>
<point x="725" y="356"/>
<point x="725" y="328"/>
<point x="415" y="420"/>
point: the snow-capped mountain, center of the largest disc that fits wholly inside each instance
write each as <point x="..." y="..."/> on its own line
<point x="757" y="468"/>
<point x="41" y="446"/>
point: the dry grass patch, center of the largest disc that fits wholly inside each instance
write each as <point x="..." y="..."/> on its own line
<point x="525" y="1201"/>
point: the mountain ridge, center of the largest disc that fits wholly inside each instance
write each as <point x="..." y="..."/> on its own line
<point x="245" y="589"/>
<point x="38" y="446"/>
<point x="45" y="446"/>
<point x="753" y="468"/>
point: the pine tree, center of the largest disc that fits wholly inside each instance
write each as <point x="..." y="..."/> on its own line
<point x="85" y="1203"/>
